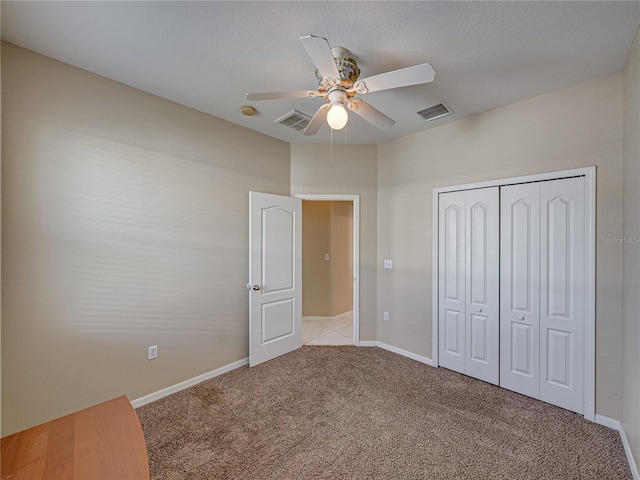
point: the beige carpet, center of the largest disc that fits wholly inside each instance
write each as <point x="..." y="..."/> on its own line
<point x="365" y="413"/>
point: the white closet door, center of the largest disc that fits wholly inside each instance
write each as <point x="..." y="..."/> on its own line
<point x="562" y="292"/>
<point x="451" y="283"/>
<point x="519" y="289"/>
<point x="469" y="283"/>
<point x="482" y="284"/>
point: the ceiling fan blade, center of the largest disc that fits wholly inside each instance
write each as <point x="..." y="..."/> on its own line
<point x="320" y="52"/>
<point x="317" y="121"/>
<point x="400" y="78"/>
<point x="370" y="114"/>
<point x="277" y="95"/>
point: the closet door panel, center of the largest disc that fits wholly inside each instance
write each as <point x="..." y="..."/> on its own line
<point x="482" y="284"/>
<point x="519" y="288"/>
<point x="562" y="299"/>
<point x="451" y="285"/>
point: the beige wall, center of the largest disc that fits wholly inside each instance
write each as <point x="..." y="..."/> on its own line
<point x="313" y="171"/>
<point x="630" y="418"/>
<point x="327" y="288"/>
<point x="0" y="235"/>
<point x="574" y="127"/>
<point x="341" y="258"/>
<point x="316" y="272"/>
<point x="124" y="220"/>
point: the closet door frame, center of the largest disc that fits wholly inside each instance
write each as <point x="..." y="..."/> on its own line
<point x="589" y="173"/>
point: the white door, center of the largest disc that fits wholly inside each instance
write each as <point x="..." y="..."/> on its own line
<point x="468" y="282"/>
<point x="275" y="280"/>
<point x="482" y="284"/>
<point x="519" y="288"/>
<point x="543" y="288"/>
<point x="562" y="292"/>
<point x="451" y="281"/>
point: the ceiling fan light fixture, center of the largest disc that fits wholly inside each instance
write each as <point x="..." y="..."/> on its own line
<point x="337" y="117"/>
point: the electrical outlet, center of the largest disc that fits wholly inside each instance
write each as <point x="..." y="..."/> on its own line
<point x="385" y="316"/>
<point x="153" y="352"/>
<point x="388" y="264"/>
<point x="326" y="257"/>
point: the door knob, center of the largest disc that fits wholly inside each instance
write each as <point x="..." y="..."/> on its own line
<point x="520" y="317"/>
<point x="479" y="310"/>
<point x="254" y="287"/>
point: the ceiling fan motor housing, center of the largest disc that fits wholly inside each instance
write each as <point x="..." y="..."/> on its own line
<point x="337" y="97"/>
<point x="347" y="67"/>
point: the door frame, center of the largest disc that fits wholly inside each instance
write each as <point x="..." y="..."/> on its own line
<point x="356" y="248"/>
<point x="590" y="297"/>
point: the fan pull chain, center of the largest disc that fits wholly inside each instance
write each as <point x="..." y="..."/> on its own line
<point x="331" y="149"/>
<point x="345" y="144"/>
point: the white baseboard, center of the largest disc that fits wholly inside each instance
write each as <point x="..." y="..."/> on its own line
<point x="404" y="353"/>
<point x="616" y="425"/>
<point x="345" y="315"/>
<point x="316" y="319"/>
<point x="152" y="397"/>
<point x="607" y="422"/>
<point x="399" y="351"/>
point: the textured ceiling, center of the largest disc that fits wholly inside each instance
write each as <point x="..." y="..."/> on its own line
<point x="207" y="55"/>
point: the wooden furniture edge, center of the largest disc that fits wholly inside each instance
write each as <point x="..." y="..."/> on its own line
<point x="104" y="441"/>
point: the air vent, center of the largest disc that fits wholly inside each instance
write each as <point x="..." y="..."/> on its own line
<point x="437" y="111"/>
<point x="294" y="119"/>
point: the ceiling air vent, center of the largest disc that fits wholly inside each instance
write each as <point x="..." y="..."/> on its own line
<point x="437" y="111"/>
<point x="294" y="119"/>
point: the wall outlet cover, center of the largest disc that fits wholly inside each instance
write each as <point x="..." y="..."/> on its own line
<point x="152" y="352"/>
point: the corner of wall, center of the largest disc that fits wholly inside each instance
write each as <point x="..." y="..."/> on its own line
<point x="630" y="303"/>
<point x="0" y="230"/>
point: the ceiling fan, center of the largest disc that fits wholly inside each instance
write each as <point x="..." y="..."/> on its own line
<point x="338" y="74"/>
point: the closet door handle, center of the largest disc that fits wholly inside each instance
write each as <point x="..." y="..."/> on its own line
<point x="520" y="317"/>
<point x="479" y="310"/>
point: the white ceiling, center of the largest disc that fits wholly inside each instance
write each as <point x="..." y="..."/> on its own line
<point x="207" y="55"/>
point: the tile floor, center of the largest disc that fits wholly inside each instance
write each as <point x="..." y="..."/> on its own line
<point x="333" y="331"/>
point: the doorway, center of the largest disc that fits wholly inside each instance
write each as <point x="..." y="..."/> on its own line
<point x="330" y="269"/>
